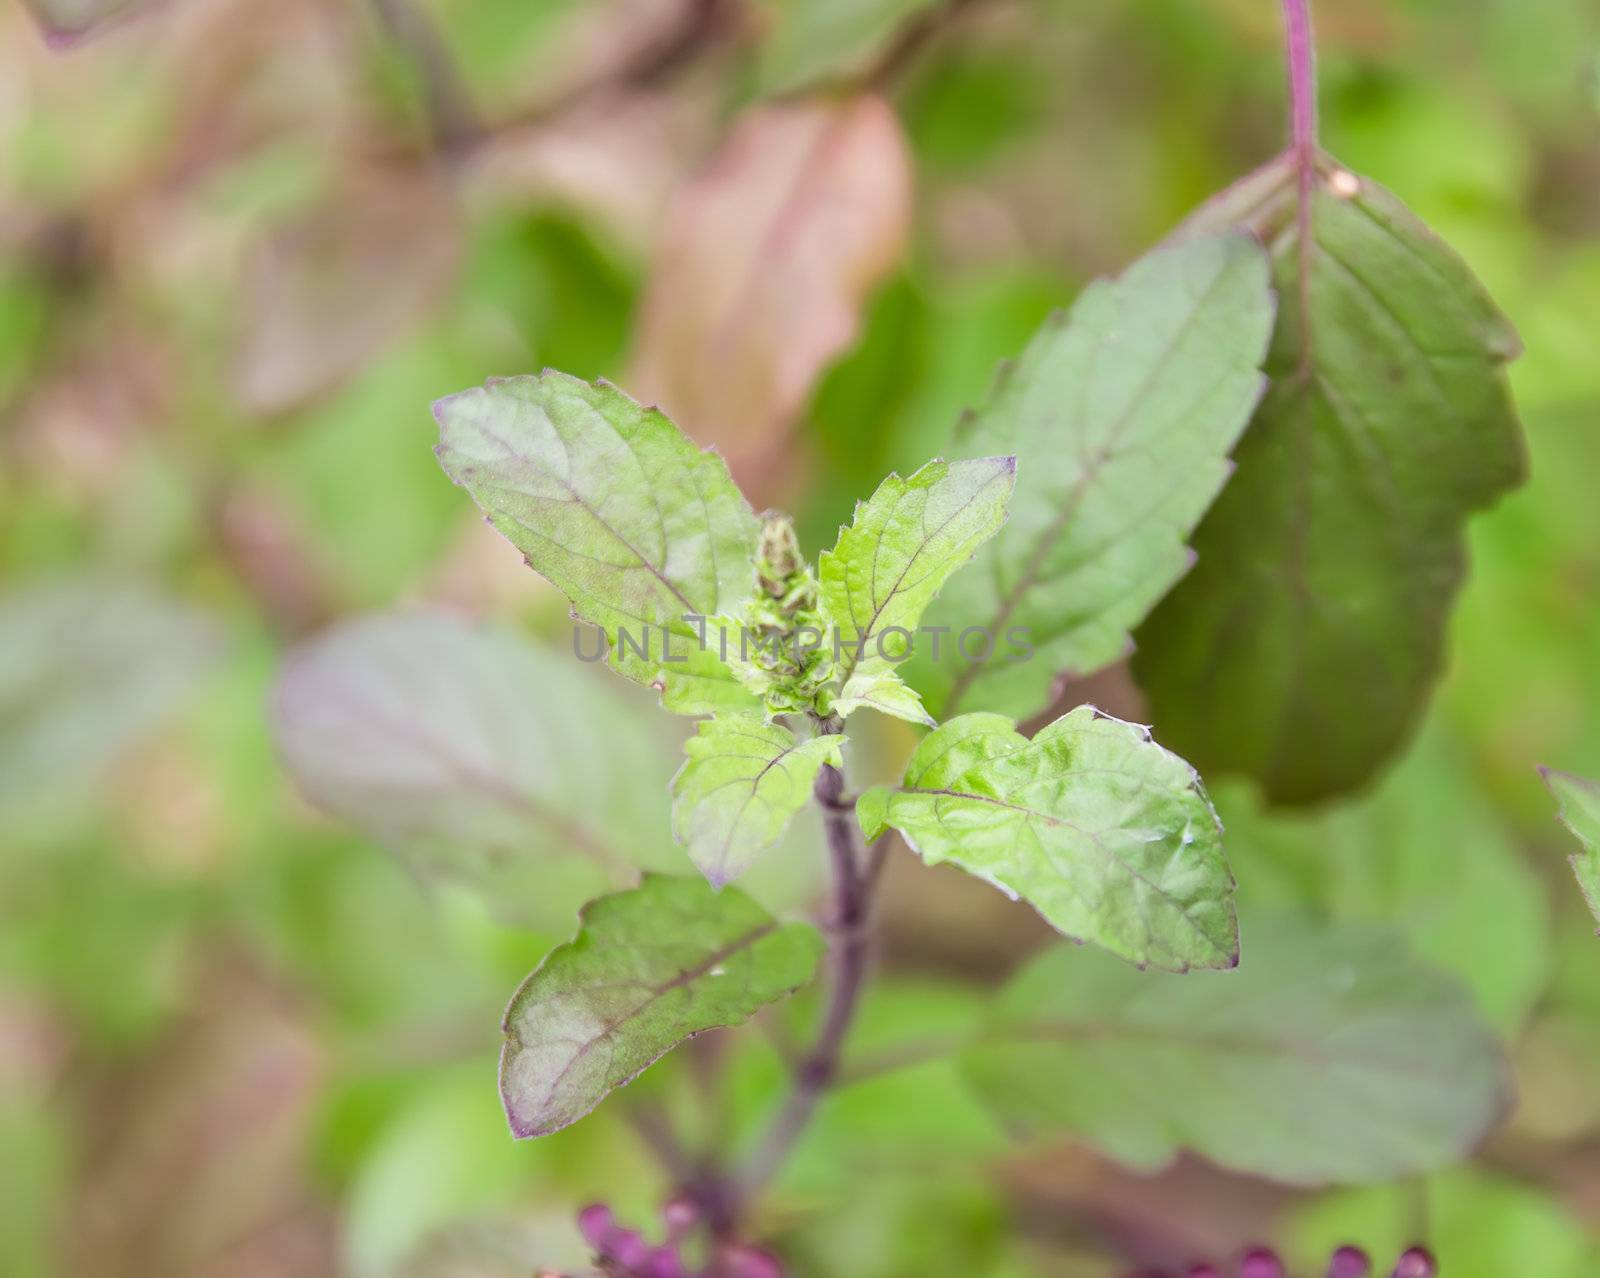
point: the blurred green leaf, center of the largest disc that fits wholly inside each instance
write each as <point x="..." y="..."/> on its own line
<point x="1121" y="416"/>
<point x="649" y="968"/>
<point x="1328" y="1056"/>
<point x="742" y="783"/>
<point x="829" y="39"/>
<point x="1580" y="812"/>
<point x="478" y="757"/>
<point x="88" y="666"/>
<point x="1107" y="835"/>
<point x="1426" y="855"/>
<point x="904" y="544"/>
<point x="609" y="500"/>
<point x="1302" y="649"/>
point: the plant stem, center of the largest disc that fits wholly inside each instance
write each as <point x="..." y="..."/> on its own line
<point x="451" y="115"/>
<point x="1303" y="146"/>
<point x="1302" y="77"/>
<point x="852" y="901"/>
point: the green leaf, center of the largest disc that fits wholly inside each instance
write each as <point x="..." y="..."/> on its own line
<point x="649" y="968"/>
<point x="1301" y="650"/>
<point x="821" y="39"/>
<point x="903" y="545"/>
<point x="1107" y="835"/>
<point x="1326" y="1057"/>
<point x="1121" y="416"/>
<point x="1580" y="812"/>
<point x="743" y="780"/>
<point x="1480" y="913"/>
<point x="610" y="501"/>
<point x="479" y="758"/>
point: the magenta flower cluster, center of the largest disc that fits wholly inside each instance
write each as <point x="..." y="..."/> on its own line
<point x="1347" y="1262"/>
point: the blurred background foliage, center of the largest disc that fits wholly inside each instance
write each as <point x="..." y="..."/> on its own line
<point x="244" y="245"/>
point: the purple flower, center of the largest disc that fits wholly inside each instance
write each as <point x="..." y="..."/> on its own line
<point x="1347" y="1262"/>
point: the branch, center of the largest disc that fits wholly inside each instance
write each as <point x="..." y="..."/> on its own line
<point x="1302" y="77"/>
<point x="819" y="1068"/>
<point x="451" y="114"/>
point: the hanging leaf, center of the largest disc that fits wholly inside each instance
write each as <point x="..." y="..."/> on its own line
<point x="1107" y="835"/>
<point x="1121" y="415"/>
<point x="321" y="297"/>
<point x="1301" y="649"/>
<point x="903" y="545"/>
<point x="743" y="781"/>
<point x="633" y="523"/>
<point x="1327" y="1057"/>
<point x="762" y="268"/>
<point x="1580" y="812"/>
<point x="649" y="968"/>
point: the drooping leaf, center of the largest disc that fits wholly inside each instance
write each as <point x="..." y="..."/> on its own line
<point x="762" y="268"/>
<point x="321" y="296"/>
<point x="1108" y="836"/>
<point x="743" y="780"/>
<point x="477" y="757"/>
<point x="649" y="968"/>
<point x="1301" y="650"/>
<point x="903" y="545"/>
<point x="1580" y="812"/>
<point x="88" y="666"/>
<point x="1328" y="1056"/>
<point x="1121" y="415"/>
<point x="815" y="40"/>
<point x="609" y="500"/>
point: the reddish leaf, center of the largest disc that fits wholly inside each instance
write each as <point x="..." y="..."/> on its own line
<point x="759" y="278"/>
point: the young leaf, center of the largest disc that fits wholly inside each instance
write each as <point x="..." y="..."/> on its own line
<point x="1580" y="812"/>
<point x="1121" y="415"/>
<point x="609" y="500"/>
<point x="887" y="566"/>
<point x="1301" y="649"/>
<point x="736" y="792"/>
<point x="1108" y="836"/>
<point x="1326" y="1057"/>
<point x="476" y="757"/>
<point x="649" y="968"/>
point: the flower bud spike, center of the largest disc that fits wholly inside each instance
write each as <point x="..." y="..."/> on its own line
<point x="597" y="1225"/>
<point x="1416" y="1263"/>
<point x="1261" y="1262"/>
<point x="1349" y="1262"/>
<point x="749" y="1262"/>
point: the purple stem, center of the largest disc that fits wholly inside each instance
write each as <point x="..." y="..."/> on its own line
<point x="1303" y="126"/>
<point x="1302" y="76"/>
<point x="817" y="1070"/>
